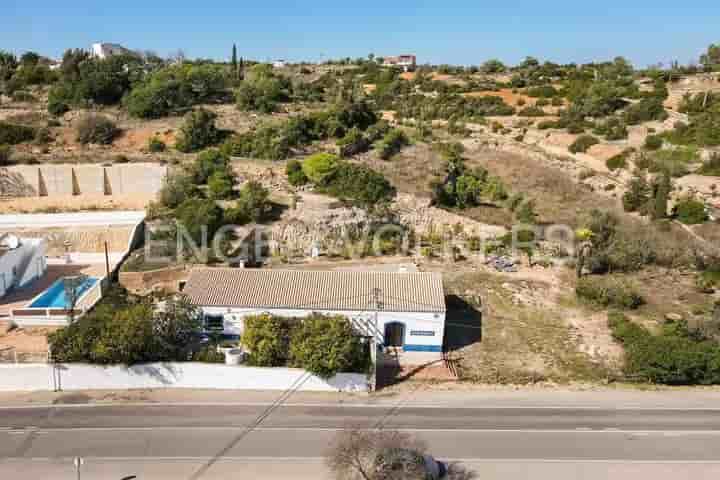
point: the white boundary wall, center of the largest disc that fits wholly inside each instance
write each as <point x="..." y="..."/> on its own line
<point x="34" y="377"/>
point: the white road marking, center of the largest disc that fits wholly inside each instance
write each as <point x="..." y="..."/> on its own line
<point x="337" y="429"/>
<point x="321" y="459"/>
<point x="434" y="406"/>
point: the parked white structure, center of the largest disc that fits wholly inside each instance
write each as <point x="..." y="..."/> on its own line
<point x="106" y="50"/>
<point x="22" y="261"/>
<point x="402" y="311"/>
<point x="279" y="64"/>
<point x="406" y="62"/>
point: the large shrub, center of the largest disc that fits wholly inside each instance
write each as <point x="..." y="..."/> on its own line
<point x="690" y="211"/>
<point x="12" y="134"/>
<point x="198" y="131"/>
<point x="319" y="166"/>
<point x="207" y="163"/>
<point x="583" y="143"/>
<point x="5" y="153"/>
<point x="326" y="345"/>
<point x="177" y="188"/>
<point x="200" y="218"/>
<point x="675" y="356"/>
<point x="358" y="183"/>
<point x="175" y="88"/>
<point x="252" y="204"/>
<point x="392" y="143"/>
<point x="267" y="338"/>
<point x="294" y="171"/>
<point x="608" y="292"/>
<point x="120" y="332"/>
<point x="96" y="129"/>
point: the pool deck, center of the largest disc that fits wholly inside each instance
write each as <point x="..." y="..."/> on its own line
<point x="21" y="298"/>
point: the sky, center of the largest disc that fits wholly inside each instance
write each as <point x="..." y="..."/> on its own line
<point x="462" y="32"/>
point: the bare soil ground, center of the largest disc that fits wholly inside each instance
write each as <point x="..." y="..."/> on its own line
<point x="70" y="203"/>
<point x="527" y="334"/>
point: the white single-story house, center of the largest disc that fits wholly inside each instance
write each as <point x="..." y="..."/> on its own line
<point x="405" y="311"/>
<point x="22" y="261"/>
<point x="107" y="50"/>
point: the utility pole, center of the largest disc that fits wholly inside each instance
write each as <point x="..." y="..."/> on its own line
<point x="377" y="306"/>
<point x="107" y="262"/>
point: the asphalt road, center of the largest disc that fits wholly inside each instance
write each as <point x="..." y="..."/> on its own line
<point x="290" y="441"/>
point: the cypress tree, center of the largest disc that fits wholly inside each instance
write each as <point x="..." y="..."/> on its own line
<point x="234" y="57"/>
<point x="662" y="194"/>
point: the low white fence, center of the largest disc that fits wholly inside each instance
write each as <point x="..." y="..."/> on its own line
<point x="33" y="377"/>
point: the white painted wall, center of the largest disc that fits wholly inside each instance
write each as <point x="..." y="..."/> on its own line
<point x="83" y="219"/>
<point x="23" y="265"/>
<point x="422" y="329"/>
<point x="31" y="377"/>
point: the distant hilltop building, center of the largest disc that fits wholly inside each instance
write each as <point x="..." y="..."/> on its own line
<point x="279" y="63"/>
<point x="105" y="50"/>
<point x="406" y="62"/>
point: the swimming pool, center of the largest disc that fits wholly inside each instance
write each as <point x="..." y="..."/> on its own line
<point x="54" y="297"/>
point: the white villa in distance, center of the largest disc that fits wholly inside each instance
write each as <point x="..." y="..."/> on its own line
<point x="106" y="50"/>
<point x="402" y="311"/>
<point x="22" y="261"/>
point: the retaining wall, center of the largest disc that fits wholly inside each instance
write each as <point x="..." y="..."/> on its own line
<point x="35" y="377"/>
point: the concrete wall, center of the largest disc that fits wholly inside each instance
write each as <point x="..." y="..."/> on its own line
<point x="127" y="178"/>
<point x="23" y="265"/>
<point x="423" y="331"/>
<point x="30" y="377"/>
<point x="166" y="278"/>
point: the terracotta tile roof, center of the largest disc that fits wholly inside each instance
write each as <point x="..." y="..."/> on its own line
<point x="315" y="290"/>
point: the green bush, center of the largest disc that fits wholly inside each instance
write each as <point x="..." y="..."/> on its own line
<point x="646" y="110"/>
<point x="690" y="211"/>
<point x="176" y="189"/>
<point x="121" y="332"/>
<point x="653" y="142"/>
<point x="531" y="112"/>
<point x="612" y="129"/>
<point x="543" y="91"/>
<point x="199" y="217"/>
<point x="295" y="174"/>
<point x="319" y="166"/>
<point x="261" y="94"/>
<point x="176" y="88"/>
<point x="392" y="143"/>
<point x="209" y="354"/>
<point x="198" y="131"/>
<point x="155" y="145"/>
<point x="711" y="166"/>
<point x="220" y="185"/>
<point x="12" y="134"/>
<point x="5" y="153"/>
<point x="675" y="356"/>
<point x="267" y="339"/>
<point x="252" y="204"/>
<point x="357" y="183"/>
<point x="207" y="163"/>
<point x="22" y="96"/>
<point x="608" y="292"/>
<point x="327" y="345"/>
<point x="96" y="129"/>
<point x="674" y="162"/>
<point x="547" y="124"/>
<point x="352" y="143"/>
<point x="616" y="162"/>
<point x="583" y="143"/>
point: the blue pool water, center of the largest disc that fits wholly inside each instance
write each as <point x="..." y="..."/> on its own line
<point x="54" y="297"/>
